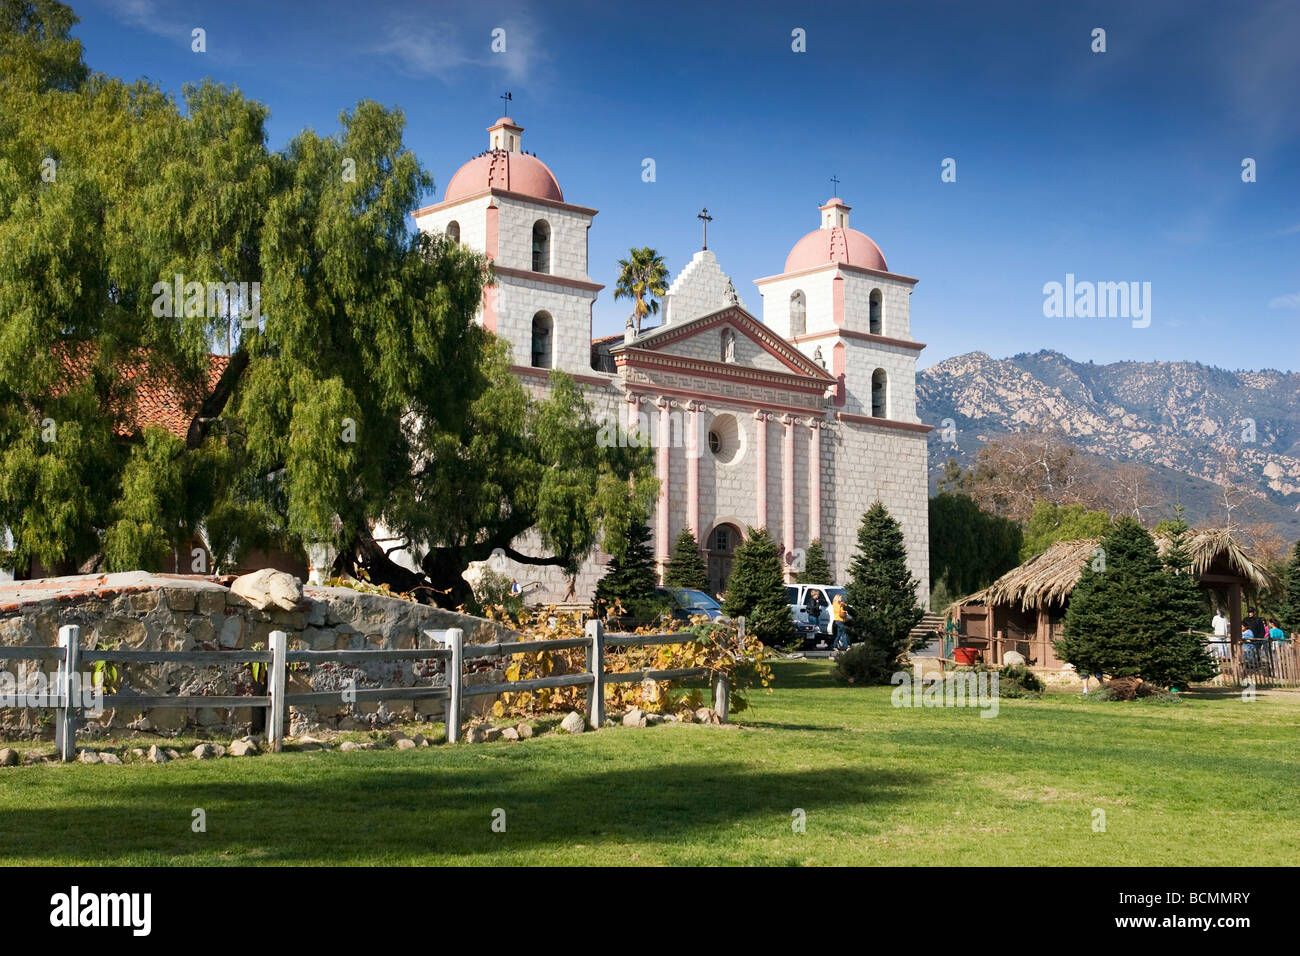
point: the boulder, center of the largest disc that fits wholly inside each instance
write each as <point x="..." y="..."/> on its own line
<point x="476" y="734"/>
<point x="510" y="734"/>
<point x="204" y="752"/>
<point x="573" y="723"/>
<point x="107" y="757"/>
<point x="406" y="743"/>
<point x="243" y="748"/>
<point x="88" y="756"/>
<point x="174" y="754"/>
<point x="654" y="720"/>
<point x="706" y="715"/>
<point x="268" y="588"/>
<point x="348" y="746"/>
<point x="8" y="757"/>
<point x="525" y="731"/>
<point x="1013" y="657"/>
<point x="493" y="733"/>
<point x="156" y="755"/>
<point x="634" y="718"/>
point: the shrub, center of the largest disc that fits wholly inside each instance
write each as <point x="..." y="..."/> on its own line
<point x="714" y="645"/>
<point x="492" y="598"/>
<point x="864" y="664"/>
<point x="1017" y="680"/>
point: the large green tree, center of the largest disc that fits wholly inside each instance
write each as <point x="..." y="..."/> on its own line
<point x="881" y="592"/>
<point x="969" y="547"/>
<point x="358" y="388"/>
<point x="1051" y="523"/>
<point x="816" y="569"/>
<point x="686" y="566"/>
<point x="756" y="589"/>
<point x="1130" y="615"/>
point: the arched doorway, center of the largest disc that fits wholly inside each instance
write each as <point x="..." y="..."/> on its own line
<point x="720" y="547"/>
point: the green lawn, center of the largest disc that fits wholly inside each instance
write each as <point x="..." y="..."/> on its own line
<point x="1213" y="781"/>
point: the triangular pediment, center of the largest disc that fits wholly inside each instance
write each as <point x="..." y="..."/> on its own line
<point x="702" y="339"/>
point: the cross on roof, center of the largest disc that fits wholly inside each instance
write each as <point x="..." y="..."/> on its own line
<point x="835" y="183"/>
<point x="505" y="98"/>
<point x="705" y="219"/>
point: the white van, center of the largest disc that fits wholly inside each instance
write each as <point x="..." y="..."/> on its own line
<point x="811" y="604"/>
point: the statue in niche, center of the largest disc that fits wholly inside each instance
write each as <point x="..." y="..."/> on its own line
<point x="729" y="346"/>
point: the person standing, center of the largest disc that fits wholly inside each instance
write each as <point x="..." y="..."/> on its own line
<point x="1222" y="634"/>
<point x="839" y="620"/>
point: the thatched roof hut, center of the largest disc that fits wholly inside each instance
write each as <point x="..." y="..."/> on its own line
<point x="1025" y="606"/>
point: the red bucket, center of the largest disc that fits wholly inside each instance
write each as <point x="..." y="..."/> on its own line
<point x="965" y="655"/>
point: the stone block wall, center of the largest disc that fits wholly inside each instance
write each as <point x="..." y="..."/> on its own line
<point x="139" y="611"/>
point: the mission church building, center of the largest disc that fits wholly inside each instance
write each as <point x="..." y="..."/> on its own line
<point x="810" y="414"/>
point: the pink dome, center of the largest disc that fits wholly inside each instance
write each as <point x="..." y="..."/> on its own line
<point x="499" y="169"/>
<point x="835" y="245"/>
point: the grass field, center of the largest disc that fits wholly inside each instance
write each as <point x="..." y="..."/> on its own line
<point x="1211" y="781"/>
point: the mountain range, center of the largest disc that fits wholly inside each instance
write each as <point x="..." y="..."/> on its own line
<point x="1192" y="426"/>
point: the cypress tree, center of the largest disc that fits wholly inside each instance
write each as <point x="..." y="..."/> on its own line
<point x="686" y="567"/>
<point x="881" y="592"/>
<point x="756" y="589"/>
<point x="1289" y="612"/>
<point x="1129" y="614"/>
<point x="631" y="578"/>
<point x="816" y="569"/>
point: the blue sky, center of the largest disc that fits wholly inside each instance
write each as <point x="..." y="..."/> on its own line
<point x="1115" y="166"/>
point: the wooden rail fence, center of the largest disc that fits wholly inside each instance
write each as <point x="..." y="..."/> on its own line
<point x="68" y="703"/>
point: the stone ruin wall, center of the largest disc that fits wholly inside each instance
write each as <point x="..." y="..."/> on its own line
<point x="139" y="611"/>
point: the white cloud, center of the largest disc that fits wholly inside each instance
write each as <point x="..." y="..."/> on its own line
<point x="1291" y="301"/>
<point x="422" y="47"/>
<point x="146" y="15"/>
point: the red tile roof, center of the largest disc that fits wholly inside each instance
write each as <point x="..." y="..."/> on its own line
<point x="149" y="398"/>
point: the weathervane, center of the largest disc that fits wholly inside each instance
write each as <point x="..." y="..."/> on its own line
<point x="705" y="219"/>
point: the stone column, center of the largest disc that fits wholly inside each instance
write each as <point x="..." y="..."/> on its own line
<point x="662" y="544"/>
<point x="787" y="488"/>
<point x="760" y="451"/>
<point x="814" y="481"/>
<point x="692" y="443"/>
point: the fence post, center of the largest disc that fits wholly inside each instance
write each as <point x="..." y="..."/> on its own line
<point x="596" y="667"/>
<point x="740" y="626"/>
<point x="456" y="641"/>
<point x="275" y="685"/>
<point x="65" y="717"/>
<point x="721" y="695"/>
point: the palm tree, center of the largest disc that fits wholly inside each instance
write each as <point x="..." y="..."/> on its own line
<point x="642" y="278"/>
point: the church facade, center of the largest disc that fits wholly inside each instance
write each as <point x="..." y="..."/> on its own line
<point x="797" y="422"/>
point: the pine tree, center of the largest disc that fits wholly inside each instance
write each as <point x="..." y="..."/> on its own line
<point x="686" y="567"/>
<point x="881" y="592"/>
<point x="1289" y="612"/>
<point x="631" y="579"/>
<point x="816" y="569"/>
<point x="756" y="589"/>
<point x="1129" y="614"/>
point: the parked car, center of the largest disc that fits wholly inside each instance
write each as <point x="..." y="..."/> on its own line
<point x="810" y="606"/>
<point x="688" y="602"/>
